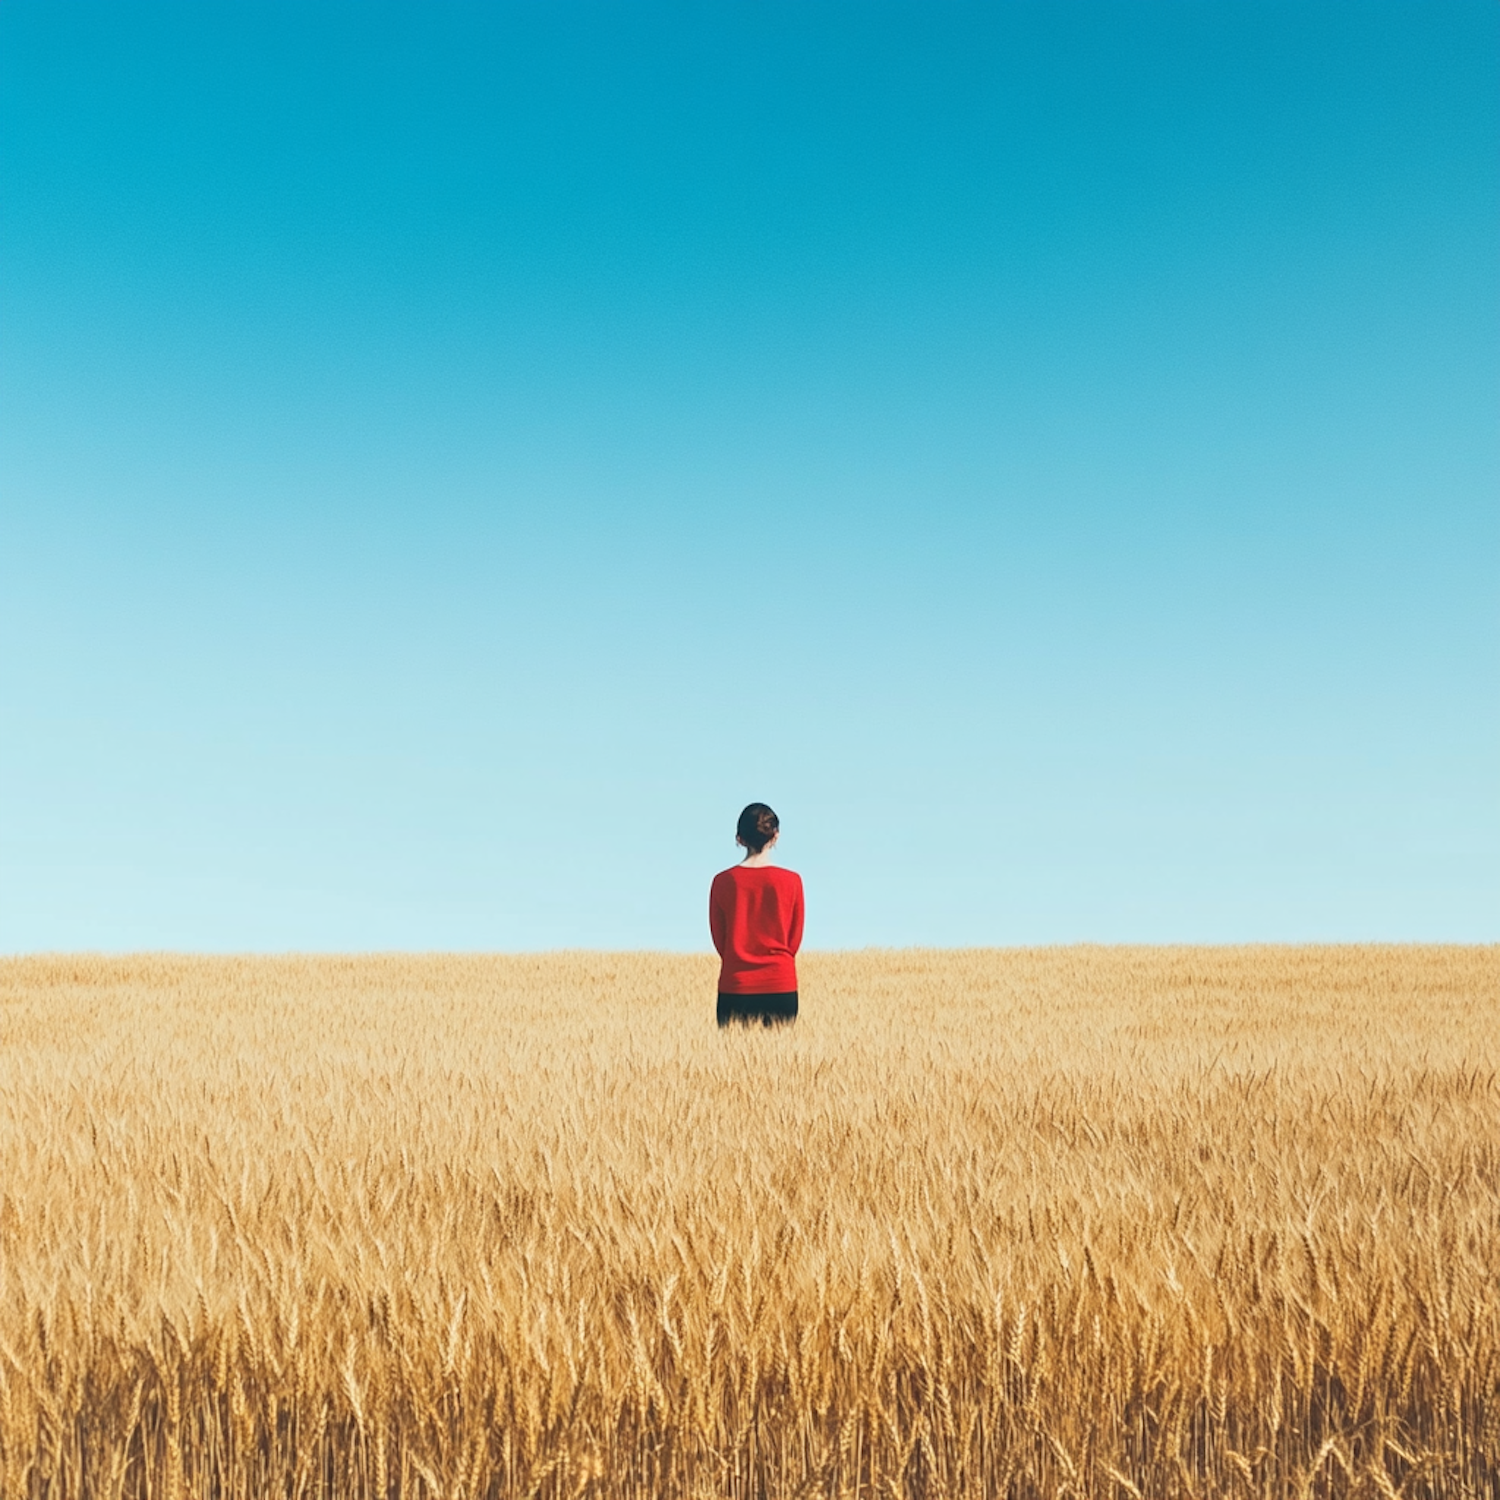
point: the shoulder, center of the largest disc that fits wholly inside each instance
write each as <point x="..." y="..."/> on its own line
<point x="789" y="878"/>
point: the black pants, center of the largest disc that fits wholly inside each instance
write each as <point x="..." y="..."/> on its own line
<point x="769" y="1010"/>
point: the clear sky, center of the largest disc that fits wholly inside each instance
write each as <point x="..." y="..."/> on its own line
<point x="452" y="456"/>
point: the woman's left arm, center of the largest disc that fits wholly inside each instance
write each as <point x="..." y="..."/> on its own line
<point x="718" y="926"/>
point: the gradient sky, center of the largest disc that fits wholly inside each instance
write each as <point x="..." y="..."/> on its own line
<point x="453" y="456"/>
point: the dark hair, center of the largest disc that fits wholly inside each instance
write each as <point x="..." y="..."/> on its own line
<point x="758" y="825"/>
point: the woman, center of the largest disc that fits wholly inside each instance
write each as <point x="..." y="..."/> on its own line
<point x="755" y="916"/>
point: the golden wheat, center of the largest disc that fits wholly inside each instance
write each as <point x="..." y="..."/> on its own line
<point x="1078" y="1221"/>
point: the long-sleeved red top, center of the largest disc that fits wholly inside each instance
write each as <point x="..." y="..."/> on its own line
<point x="755" y="915"/>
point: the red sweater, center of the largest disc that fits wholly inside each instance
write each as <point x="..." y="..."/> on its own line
<point x="755" y="915"/>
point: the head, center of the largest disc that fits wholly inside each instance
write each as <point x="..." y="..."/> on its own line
<point x="757" y="827"/>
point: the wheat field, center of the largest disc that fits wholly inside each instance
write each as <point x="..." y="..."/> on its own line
<point x="1066" y="1222"/>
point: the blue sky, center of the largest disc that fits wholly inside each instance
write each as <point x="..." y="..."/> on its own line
<point x="453" y="456"/>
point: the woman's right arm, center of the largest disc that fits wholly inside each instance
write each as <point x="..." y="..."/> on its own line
<point x="794" y="936"/>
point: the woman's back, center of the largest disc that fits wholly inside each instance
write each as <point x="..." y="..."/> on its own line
<point x="755" y="916"/>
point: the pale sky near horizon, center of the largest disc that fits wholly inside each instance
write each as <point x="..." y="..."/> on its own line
<point x="453" y="456"/>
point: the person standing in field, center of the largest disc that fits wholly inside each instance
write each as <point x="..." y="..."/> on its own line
<point x="755" y="916"/>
